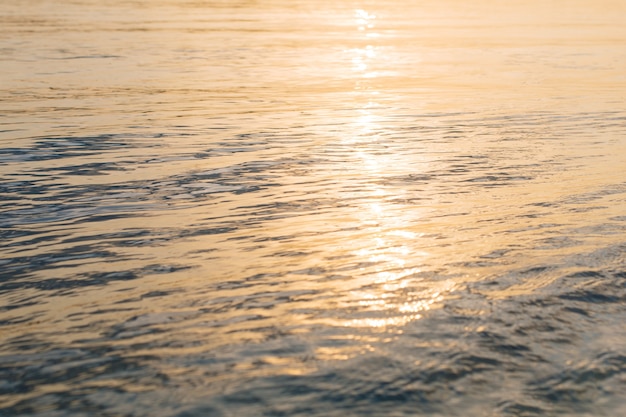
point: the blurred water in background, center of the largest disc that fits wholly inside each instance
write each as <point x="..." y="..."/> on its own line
<point x="312" y="208"/>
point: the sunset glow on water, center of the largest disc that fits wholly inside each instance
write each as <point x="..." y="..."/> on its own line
<point x="312" y="208"/>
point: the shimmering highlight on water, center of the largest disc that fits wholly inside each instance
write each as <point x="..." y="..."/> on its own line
<point x="328" y="208"/>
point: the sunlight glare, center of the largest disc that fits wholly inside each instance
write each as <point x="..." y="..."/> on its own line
<point x="364" y="19"/>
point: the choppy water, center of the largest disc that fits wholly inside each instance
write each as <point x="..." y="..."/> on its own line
<point x="312" y="208"/>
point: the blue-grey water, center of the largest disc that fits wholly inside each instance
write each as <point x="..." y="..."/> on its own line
<point x="312" y="208"/>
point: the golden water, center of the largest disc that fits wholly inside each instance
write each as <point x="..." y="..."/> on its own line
<point x="312" y="208"/>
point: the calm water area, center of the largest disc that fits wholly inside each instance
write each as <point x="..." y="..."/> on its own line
<point x="312" y="208"/>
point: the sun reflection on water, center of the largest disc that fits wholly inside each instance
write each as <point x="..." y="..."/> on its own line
<point x="391" y="293"/>
<point x="362" y="58"/>
<point x="364" y="19"/>
<point x="390" y="288"/>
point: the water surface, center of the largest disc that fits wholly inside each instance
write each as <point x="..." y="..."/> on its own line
<point x="329" y="208"/>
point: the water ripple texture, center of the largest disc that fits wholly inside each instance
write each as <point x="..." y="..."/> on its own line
<point x="298" y="208"/>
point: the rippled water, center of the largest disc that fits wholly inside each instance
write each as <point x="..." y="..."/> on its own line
<point x="312" y="208"/>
